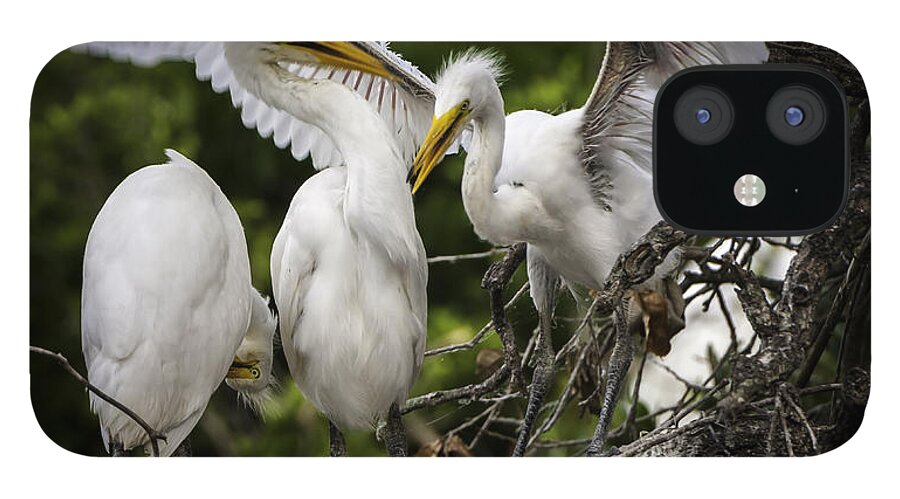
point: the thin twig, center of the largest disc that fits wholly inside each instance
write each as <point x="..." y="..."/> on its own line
<point x="784" y="427"/>
<point x="481" y="335"/>
<point x="152" y="434"/>
<point x="803" y="419"/>
<point x="494" y="281"/>
<point x="655" y="438"/>
<point x="555" y="444"/>
<point x="686" y="383"/>
<point x="677" y="417"/>
<point x="468" y="256"/>
<point x="472" y="392"/>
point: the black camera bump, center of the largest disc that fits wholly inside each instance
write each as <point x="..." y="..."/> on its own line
<point x="751" y="150"/>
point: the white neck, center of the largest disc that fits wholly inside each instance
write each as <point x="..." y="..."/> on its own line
<point x="377" y="201"/>
<point x="262" y="321"/>
<point x="482" y="163"/>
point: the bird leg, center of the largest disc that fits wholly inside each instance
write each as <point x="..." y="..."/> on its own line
<point x="184" y="448"/>
<point x="336" y="446"/>
<point x="619" y="362"/>
<point x="395" y="436"/>
<point x="540" y="382"/>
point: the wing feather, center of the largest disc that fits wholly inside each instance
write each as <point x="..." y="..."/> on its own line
<point x="406" y="103"/>
<point x="617" y="131"/>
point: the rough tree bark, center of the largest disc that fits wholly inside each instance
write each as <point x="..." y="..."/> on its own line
<point x="762" y="400"/>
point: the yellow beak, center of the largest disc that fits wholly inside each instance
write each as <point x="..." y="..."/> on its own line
<point x="243" y="370"/>
<point x="443" y="132"/>
<point x="347" y="55"/>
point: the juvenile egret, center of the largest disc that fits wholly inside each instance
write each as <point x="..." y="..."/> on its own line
<point x="576" y="187"/>
<point x="348" y="267"/>
<point x="167" y="305"/>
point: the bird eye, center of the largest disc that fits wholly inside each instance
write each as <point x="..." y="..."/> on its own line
<point x="255" y="373"/>
<point x="464" y="105"/>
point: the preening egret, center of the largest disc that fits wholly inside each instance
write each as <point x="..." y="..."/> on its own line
<point x="167" y="305"/>
<point x="348" y="267"/>
<point x="576" y="187"/>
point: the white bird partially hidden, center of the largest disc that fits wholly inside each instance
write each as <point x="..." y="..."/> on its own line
<point x="577" y="187"/>
<point x="167" y="307"/>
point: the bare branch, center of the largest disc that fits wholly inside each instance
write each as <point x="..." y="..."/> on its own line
<point x="152" y="434"/>
<point x="472" y="392"/>
<point x="469" y="256"/>
<point x="495" y="280"/>
<point x="481" y="335"/>
<point x="637" y="264"/>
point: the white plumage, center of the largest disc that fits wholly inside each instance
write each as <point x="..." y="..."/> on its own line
<point x="166" y="302"/>
<point x="352" y="309"/>
<point x="578" y="186"/>
<point x="404" y="101"/>
<point x="348" y="267"/>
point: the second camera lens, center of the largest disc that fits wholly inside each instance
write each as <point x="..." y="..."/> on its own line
<point x="796" y="115"/>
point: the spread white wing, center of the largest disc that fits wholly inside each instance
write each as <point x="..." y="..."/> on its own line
<point x="405" y="102"/>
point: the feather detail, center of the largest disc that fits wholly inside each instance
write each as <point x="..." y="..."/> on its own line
<point x="405" y="103"/>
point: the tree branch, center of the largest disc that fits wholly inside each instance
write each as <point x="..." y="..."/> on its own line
<point x="637" y="265"/>
<point x="152" y="434"/>
<point x="495" y="280"/>
<point x="473" y="392"/>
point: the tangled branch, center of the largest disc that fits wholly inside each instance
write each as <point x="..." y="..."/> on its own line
<point x="759" y="385"/>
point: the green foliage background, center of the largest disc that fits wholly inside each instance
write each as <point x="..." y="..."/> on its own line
<point x="94" y="121"/>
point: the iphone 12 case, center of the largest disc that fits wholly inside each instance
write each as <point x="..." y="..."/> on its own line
<point x="548" y="310"/>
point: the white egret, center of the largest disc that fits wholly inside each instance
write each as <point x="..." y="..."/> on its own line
<point x="576" y="187"/>
<point x="348" y="266"/>
<point x="167" y="305"/>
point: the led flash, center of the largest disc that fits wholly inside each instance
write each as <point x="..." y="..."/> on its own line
<point x="750" y="190"/>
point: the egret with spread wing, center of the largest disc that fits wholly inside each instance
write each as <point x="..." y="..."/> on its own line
<point x="167" y="307"/>
<point x="348" y="266"/>
<point x="576" y="187"/>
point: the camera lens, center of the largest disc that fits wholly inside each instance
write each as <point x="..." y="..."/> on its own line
<point x="703" y="115"/>
<point x="796" y="115"/>
<point x="793" y="115"/>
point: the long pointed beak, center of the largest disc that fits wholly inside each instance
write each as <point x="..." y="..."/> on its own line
<point x="347" y="55"/>
<point x="243" y="370"/>
<point x="444" y="130"/>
